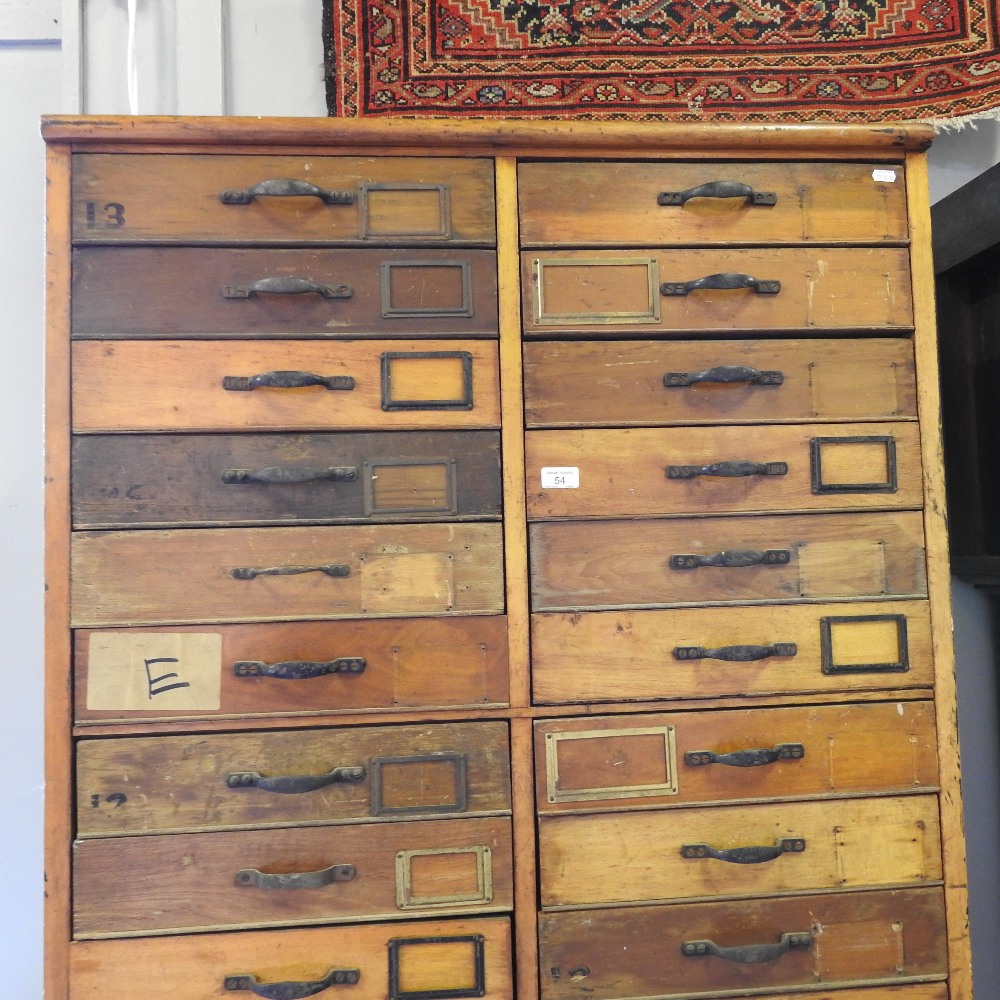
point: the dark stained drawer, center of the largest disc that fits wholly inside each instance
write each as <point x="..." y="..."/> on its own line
<point x="290" y="668"/>
<point x="728" y="651"/>
<point x="169" y="292"/>
<point x="171" y="784"/>
<point x="618" y="383"/>
<point x="185" y="479"/>
<point x="185" y="198"/>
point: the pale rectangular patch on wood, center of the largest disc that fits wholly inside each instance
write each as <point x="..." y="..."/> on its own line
<point x="845" y="567"/>
<point x="407" y="582"/>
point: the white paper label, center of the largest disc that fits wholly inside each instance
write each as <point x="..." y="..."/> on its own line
<point x="888" y="176"/>
<point x="560" y="477"/>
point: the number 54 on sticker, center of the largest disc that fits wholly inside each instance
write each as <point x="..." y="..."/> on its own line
<point x="560" y="477"/>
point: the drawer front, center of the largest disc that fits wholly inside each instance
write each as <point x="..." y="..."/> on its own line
<point x="140" y="480"/>
<point x="174" y="385"/>
<point x="462" y="957"/>
<point x="595" y="564"/>
<point x="681" y="949"/>
<point x="313" y="875"/>
<point x="279" y="779"/>
<point x="719" y="290"/>
<point x="127" y="198"/>
<point x="732" y="651"/>
<point x="739" y="851"/>
<point x="648" y="471"/>
<point x="281" y="574"/>
<point x="606" y="383"/>
<point x="175" y="292"/>
<point x="662" y="204"/>
<point x="290" y="668"/>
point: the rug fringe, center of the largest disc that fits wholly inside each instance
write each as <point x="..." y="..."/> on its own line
<point x="964" y="121"/>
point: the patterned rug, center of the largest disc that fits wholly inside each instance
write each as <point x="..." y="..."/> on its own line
<point x="681" y="60"/>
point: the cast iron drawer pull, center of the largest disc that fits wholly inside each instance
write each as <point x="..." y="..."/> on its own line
<point x="291" y="990"/>
<point x="758" y="757"/>
<point x="719" y="189"/>
<point x="252" y="572"/>
<point x="290" y="474"/>
<point x="745" y="855"/>
<point x="733" y="559"/>
<point x="296" y="880"/>
<point x="748" y="954"/>
<point x="285" y="380"/>
<point x="735" y="654"/>
<point x="295" y="784"/>
<point x="286" y="286"/>
<point x="730" y="470"/>
<point x="723" y="375"/>
<point x="280" y="187"/>
<point x="725" y="281"/>
<point x="299" y="670"/>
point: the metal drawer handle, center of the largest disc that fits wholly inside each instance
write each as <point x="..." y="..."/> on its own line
<point x="758" y="757"/>
<point x="285" y="380"/>
<point x="279" y="187"/>
<point x="299" y="670"/>
<point x="719" y="189"/>
<point x="735" y="654"/>
<point x="291" y="990"/>
<point x="252" y="572"/>
<point x="290" y="474"/>
<point x="296" y="880"/>
<point x="725" y="281"/>
<point x="286" y="286"/>
<point x="723" y="375"/>
<point x="745" y="855"/>
<point x="733" y="559"/>
<point x="748" y="954"/>
<point x="730" y="470"/>
<point x="295" y="784"/>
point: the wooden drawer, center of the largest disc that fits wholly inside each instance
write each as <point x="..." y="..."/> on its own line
<point x="739" y="851"/>
<point x="618" y="383"/>
<point x="174" y="385"/>
<point x="180" y="576"/>
<point x="140" y="480"/>
<point x="310" y="875"/>
<point x="731" y="651"/>
<point x="611" y="763"/>
<point x="171" y="784"/>
<point x="603" y="204"/>
<point x="608" y="564"/>
<point x="840" y="939"/>
<point x="290" y="668"/>
<point x="175" y="292"/>
<point x="442" y="958"/>
<point x="671" y="291"/>
<point x="128" y="198"/>
<point x="648" y="471"/>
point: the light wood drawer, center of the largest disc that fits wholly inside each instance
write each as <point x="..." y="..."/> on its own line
<point x="729" y="291"/>
<point x="312" y="875"/>
<point x="180" y="576"/>
<point x="730" y="651"/>
<point x="176" y="292"/>
<point x="173" y="385"/>
<point x="610" y="383"/>
<point x="680" y="950"/>
<point x="127" y="198"/>
<point x="652" y="761"/>
<point x="462" y="957"/>
<point x="602" y="204"/>
<point x="648" y="471"/>
<point x="172" y="784"/>
<point x="140" y="480"/>
<point x="739" y="851"/>
<point x="728" y="560"/>
<point x="290" y="668"/>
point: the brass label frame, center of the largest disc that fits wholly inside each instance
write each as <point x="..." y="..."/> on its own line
<point x="443" y="231"/>
<point x="478" y="956"/>
<point x="379" y="808"/>
<point x="901" y="666"/>
<point x="406" y="900"/>
<point x="394" y="312"/>
<point x="816" y="445"/>
<point x="651" y="315"/>
<point x="463" y="402"/>
<point x="450" y="506"/>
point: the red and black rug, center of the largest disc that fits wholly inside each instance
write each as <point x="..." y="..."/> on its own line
<point x="681" y="60"/>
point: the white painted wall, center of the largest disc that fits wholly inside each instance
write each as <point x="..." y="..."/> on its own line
<point x="254" y="57"/>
